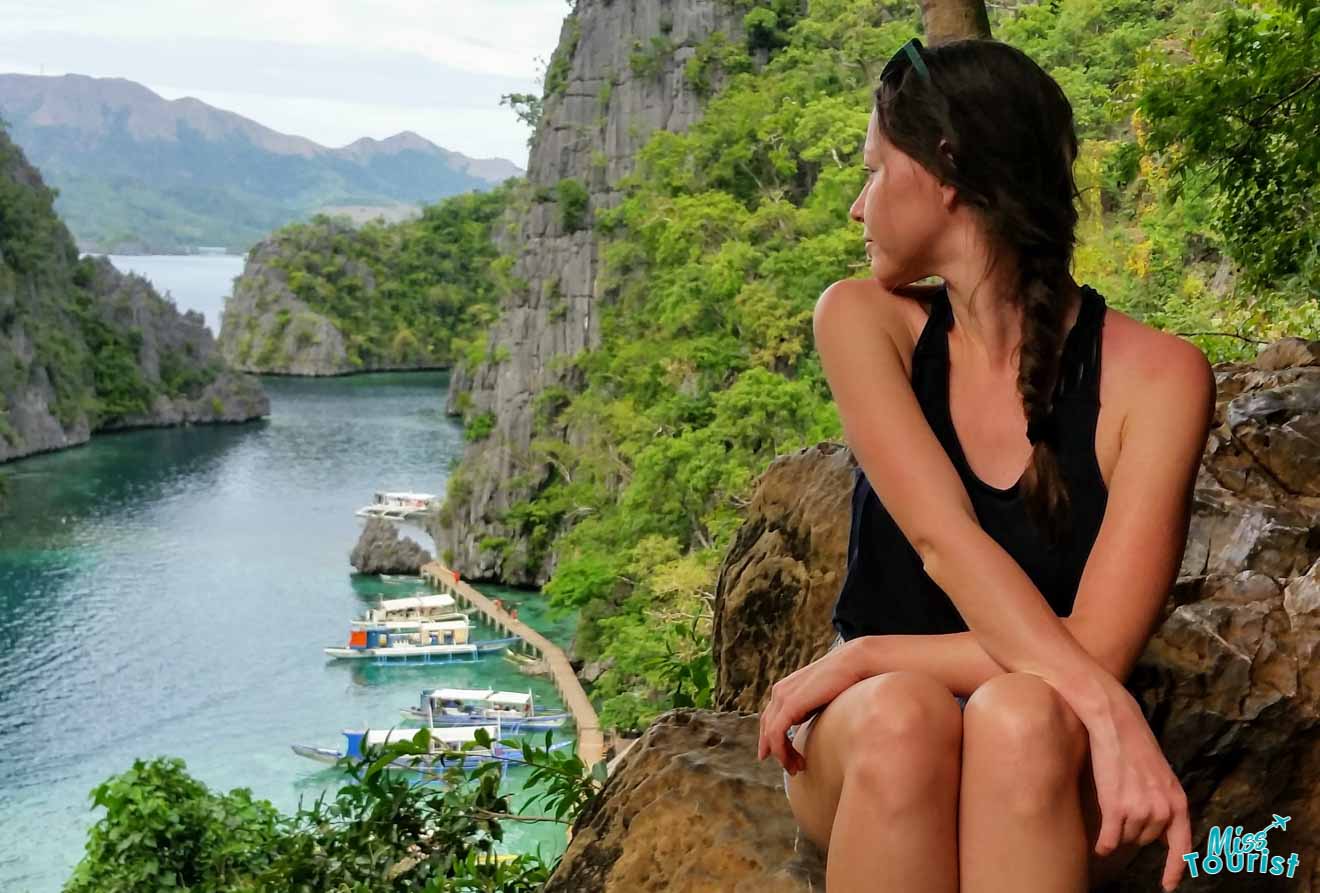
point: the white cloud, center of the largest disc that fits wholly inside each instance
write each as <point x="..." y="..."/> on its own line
<point x="329" y="71"/>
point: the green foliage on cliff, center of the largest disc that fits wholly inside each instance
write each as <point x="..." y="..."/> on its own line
<point x="402" y="294"/>
<point x="59" y="304"/>
<point x="727" y="234"/>
<point x="572" y="197"/>
<point x="30" y="233"/>
<point x="556" y="73"/>
<point x="382" y="831"/>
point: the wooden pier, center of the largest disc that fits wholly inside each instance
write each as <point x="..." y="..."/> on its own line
<point x="591" y="742"/>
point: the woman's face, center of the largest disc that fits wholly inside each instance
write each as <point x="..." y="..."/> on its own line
<point x="903" y="213"/>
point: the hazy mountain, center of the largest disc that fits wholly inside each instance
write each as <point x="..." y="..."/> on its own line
<point x="139" y="173"/>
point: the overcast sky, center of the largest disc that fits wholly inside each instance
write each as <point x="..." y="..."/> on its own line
<point x="332" y="70"/>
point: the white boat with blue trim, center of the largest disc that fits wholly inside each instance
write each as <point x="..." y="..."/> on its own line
<point x="445" y="640"/>
<point x="517" y="711"/>
<point x="445" y="750"/>
<point x="399" y="505"/>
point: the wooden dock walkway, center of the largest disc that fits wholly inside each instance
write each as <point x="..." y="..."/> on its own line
<point x="591" y="741"/>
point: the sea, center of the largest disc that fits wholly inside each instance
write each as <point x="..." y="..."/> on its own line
<point x="168" y="592"/>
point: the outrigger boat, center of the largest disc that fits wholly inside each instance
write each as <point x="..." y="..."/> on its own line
<point x="399" y="505"/>
<point x="407" y="613"/>
<point x="448" y="707"/>
<point x="445" y="749"/>
<point x="446" y="640"/>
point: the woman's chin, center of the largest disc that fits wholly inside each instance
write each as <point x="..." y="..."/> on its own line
<point x="884" y="272"/>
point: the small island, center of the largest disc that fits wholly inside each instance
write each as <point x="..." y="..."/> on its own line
<point x="328" y="298"/>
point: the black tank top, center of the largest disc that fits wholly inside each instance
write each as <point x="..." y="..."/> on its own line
<point x="886" y="590"/>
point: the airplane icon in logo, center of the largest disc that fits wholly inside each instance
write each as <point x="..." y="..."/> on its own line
<point x="1280" y="822"/>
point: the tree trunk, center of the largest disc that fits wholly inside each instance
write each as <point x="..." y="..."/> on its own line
<point x="953" y="19"/>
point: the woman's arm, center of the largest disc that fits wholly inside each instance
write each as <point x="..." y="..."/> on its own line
<point x="956" y="660"/>
<point x="857" y="331"/>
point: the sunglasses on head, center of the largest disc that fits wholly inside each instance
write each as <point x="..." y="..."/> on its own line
<point x="909" y="54"/>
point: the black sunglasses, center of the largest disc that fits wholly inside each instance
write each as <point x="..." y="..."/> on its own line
<point x="908" y="53"/>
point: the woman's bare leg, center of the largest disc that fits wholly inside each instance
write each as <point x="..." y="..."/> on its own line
<point x="1021" y="826"/>
<point x="880" y="791"/>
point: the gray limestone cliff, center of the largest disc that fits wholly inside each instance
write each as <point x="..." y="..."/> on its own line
<point x="85" y="347"/>
<point x="597" y="113"/>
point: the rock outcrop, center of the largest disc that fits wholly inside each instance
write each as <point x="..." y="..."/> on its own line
<point x="1228" y="682"/>
<point x="594" y="119"/>
<point x="266" y="328"/>
<point x="382" y="550"/>
<point x="689" y="809"/>
<point x="84" y="347"/>
<point x="129" y="302"/>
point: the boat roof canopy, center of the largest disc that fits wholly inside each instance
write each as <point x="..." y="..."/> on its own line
<point x="462" y="694"/>
<point x="482" y="694"/>
<point x="447" y="734"/>
<point x="404" y="494"/>
<point x="417" y="602"/>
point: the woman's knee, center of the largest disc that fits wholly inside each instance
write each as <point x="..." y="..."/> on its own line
<point x="905" y="736"/>
<point x="1020" y="725"/>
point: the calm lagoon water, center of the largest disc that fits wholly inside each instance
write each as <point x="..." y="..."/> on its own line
<point x="168" y="592"/>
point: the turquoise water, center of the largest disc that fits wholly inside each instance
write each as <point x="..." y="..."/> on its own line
<point x="168" y="592"/>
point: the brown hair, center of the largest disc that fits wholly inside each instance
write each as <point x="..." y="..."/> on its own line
<point x="1011" y="147"/>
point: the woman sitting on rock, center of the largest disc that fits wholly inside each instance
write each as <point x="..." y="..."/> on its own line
<point x="1018" y="518"/>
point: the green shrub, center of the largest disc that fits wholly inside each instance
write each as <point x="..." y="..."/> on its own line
<point x="181" y="376"/>
<point x="382" y="831"/>
<point x="648" y="60"/>
<point x="163" y="829"/>
<point x="573" y="198"/>
<point x="479" y="427"/>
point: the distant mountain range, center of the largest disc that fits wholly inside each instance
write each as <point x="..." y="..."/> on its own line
<point x="137" y="173"/>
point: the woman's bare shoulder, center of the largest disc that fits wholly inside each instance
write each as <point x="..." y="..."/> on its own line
<point x="1135" y="353"/>
<point x="901" y="312"/>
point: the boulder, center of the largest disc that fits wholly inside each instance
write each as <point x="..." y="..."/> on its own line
<point x="592" y="670"/>
<point x="1227" y="682"/>
<point x="689" y="808"/>
<point x="381" y="550"/>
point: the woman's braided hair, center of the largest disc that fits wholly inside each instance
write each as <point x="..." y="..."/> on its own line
<point x="1011" y="147"/>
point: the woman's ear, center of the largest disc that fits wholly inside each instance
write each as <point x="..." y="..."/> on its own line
<point x="948" y="196"/>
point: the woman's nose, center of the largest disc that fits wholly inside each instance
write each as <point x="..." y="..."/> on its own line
<point x="855" y="212"/>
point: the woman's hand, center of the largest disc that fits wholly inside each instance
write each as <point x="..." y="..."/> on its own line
<point x="1139" y="796"/>
<point x="799" y="694"/>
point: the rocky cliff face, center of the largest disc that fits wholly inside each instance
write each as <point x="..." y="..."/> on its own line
<point x="1228" y="682"/>
<point x="593" y="122"/>
<point x="266" y="328"/>
<point x="84" y="347"/>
